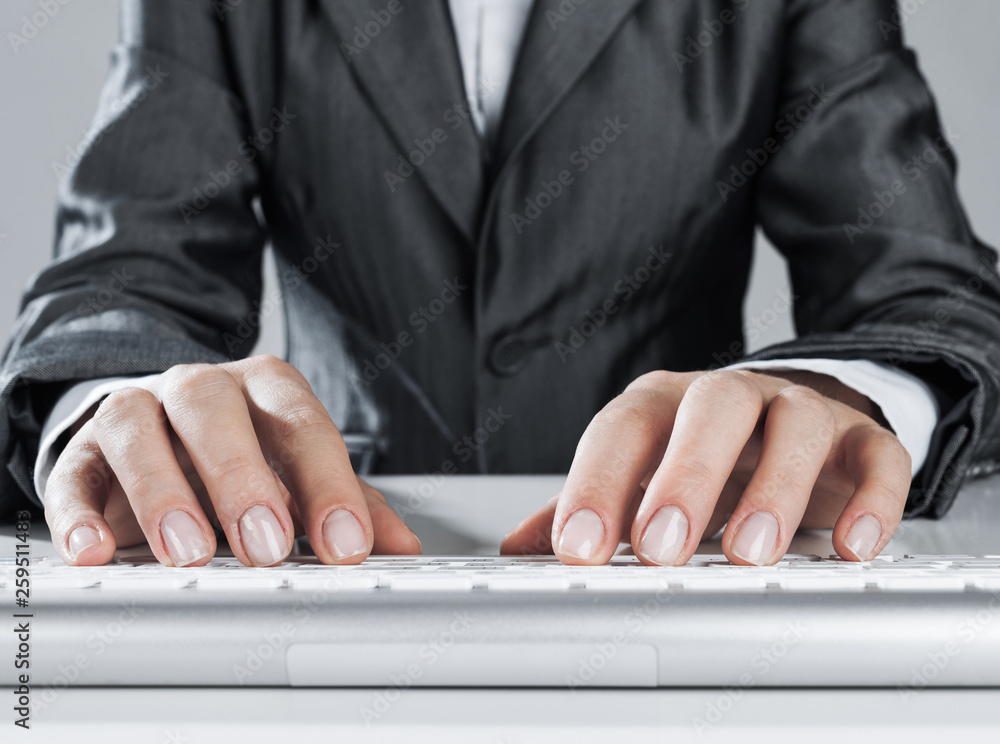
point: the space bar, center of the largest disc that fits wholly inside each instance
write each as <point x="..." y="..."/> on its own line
<point x="471" y="664"/>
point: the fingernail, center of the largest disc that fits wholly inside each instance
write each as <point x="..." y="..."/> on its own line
<point x="864" y="536"/>
<point x="262" y="536"/>
<point x="344" y="535"/>
<point x="664" y="537"/>
<point x="81" y="538"/>
<point x="184" y="539"/>
<point x="756" y="539"/>
<point x="582" y="535"/>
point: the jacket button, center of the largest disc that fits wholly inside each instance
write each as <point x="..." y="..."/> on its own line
<point x="508" y="356"/>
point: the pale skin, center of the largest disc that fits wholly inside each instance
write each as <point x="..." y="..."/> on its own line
<point x="246" y="446"/>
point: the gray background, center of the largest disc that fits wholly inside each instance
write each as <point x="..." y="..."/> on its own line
<point x="49" y="89"/>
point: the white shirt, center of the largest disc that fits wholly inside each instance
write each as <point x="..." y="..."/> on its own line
<point x="488" y="34"/>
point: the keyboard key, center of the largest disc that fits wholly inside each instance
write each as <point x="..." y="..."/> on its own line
<point x="611" y="583"/>
<point x="528" y="583"/>
<point x="928" y="583"/>
<point x="824" y="582"/>
<point x="244" y="579"/>
<point x="333" y="581"/>
<point x="704" y="573"/>
<point x="153" y="581"/>
<point x="71" y="579"/>
<point x="724" y="583"/>
<point x="436" y="582"/>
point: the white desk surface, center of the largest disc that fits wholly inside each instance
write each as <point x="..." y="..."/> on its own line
<point x="465" y="515"/>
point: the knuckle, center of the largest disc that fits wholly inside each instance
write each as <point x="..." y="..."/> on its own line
<point x="636" y="412"/>
<point x="303" y="420"/>
<point x="124" y="403"/>
<point x="149" y="480"/>
<point x="186" y="382"/>
<point x="78" y="466"/>
<point x="612" y="479"/>
<point x="692" y="474"/>
<point x="885" y="493"/>
<point x="901" y="453"/>
<point x="232" y="465"/>
<point x="735" y="388"/>
<point x="125" y="415"/>
<point x="656" y="380"/>
<point x="277" y="374"/>
<point x="268" y="364"/>
<point x="807" y="403"/>
<point x="890" y="446"/>
<point x="602" y="486"/>
<point x="781" y="485"/>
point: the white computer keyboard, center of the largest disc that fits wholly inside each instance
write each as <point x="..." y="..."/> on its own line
<point x="705" y="573"/>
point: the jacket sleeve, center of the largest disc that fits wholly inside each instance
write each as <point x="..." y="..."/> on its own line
<point x="158" y="247"/>
<point x="860" y="197"/>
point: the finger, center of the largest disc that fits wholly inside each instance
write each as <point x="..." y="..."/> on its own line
<point x="619" y="447"/>
<point x="880" y="466"/>
<point x="715" y="419"/>
<point x="298" y="435"/>
<point x="193" y="479"/>
<point x="533" y="535"/>
<point x="392" y="536"/>
<point x="727" y="502"/>
<point x="798" y="434"/>
<point x="75" y="496"/>
<point x="118" y="513"/>
<point x="187" y="467"/>
<point x="131" y="430"/>
<point x="206" y="408"/>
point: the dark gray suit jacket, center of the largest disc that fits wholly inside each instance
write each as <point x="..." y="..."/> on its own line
<point x="434" y="286"/>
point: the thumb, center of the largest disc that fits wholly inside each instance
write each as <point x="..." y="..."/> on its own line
<point x="533" y="536"/>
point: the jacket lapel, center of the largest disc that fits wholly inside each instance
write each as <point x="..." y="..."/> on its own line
<point x="560" y="42"/>
<point x="411" y="72"/>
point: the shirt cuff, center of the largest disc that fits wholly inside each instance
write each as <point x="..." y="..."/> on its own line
<point x="67" y="411"/>
<point x="907" y="402"/>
